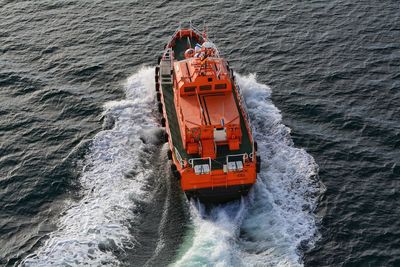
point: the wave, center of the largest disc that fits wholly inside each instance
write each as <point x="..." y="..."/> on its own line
<point x="93" y="229"/>
<point x="276" y="222"/>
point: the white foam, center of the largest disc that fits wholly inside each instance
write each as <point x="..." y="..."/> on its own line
<point x="100" y="218"/>
<point x="279" y="215"/>
<point x="215" y="234"/>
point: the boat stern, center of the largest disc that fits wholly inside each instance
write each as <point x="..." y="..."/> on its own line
<point x="203" y="181"/>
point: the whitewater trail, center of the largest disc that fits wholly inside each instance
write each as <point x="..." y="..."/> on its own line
<point x="265" y="229"/>
<point x="90" y="229"/>
<point x="268" y="227"/>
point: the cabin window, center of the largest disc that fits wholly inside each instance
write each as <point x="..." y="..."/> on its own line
<point x="205" y="87"/>
<point x="189" y="89"/>
<point x="220" y="86"/>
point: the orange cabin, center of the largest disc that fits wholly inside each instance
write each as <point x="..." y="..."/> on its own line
<point x="208" y="115"/>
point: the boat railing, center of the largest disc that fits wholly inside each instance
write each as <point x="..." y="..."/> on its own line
<point x="196" y="31"/>
<point x="166" y="67"/>
<point x="179" y="157"/>
<point x="193" y="28"/>
<point x="168" y="57"/>
<point x="201" y="165"/>
<point x="229" y="163"/>
<point x="178" y="31"/>
<point x="242" y="104"/>
<point x="251" y="156"/>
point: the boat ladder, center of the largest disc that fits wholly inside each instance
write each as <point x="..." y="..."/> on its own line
<point x="166" y="67"/>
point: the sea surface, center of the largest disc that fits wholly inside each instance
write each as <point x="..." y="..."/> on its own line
<point x="84" y="177"/>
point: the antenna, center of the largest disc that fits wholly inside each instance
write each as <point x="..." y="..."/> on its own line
<point x="191" y="30"/>
<point x="204" y="30"/>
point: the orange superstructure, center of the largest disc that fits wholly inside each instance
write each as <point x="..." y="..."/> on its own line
<point x="210" y="139"/>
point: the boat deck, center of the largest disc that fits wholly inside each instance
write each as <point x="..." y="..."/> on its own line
<point x="168" y="94"/>
<point x="222" y="151"/>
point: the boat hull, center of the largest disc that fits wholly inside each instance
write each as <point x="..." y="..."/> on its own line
<point x="211" y="172"/>
<point x="220" y="194"/>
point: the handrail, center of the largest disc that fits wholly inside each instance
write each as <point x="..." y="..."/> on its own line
<point x="243" y="106"/>
<point x="193" y="159"/>
<point x="244" y="155"/>
<point x="168" y="51"/>
<point x="178" y="157"/>
<point x="251" y="156"/>
<point x="247" y="119"/>
<point x="195" y="30"/>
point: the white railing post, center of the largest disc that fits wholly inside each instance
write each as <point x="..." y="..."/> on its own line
<point x="178" y="157"/>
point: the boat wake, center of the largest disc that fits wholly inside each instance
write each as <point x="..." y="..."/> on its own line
<point x="268" y="228"/>
<point x="276" y="222"/>
<point x="93" y="230"/>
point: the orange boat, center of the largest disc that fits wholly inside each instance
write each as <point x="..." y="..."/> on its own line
<point x="211" y="146"/>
